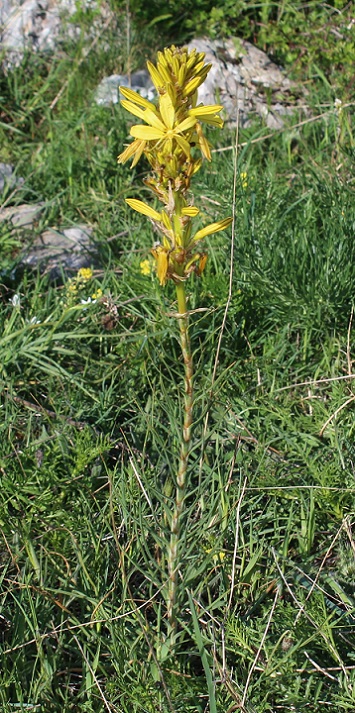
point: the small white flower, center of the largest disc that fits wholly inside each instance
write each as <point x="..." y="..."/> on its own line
<point x="15" y="300"/>
<point x="338" y="105"/>
<point x="89" y="301"/>
<point x="33" y="320"/>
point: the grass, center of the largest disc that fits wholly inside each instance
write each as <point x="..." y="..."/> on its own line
<point x="91" y="423"/>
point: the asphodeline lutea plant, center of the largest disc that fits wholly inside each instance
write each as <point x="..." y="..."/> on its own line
<point x="172" y="139"/>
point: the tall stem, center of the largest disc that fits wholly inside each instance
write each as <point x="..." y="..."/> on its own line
<point x="173" y="553"/>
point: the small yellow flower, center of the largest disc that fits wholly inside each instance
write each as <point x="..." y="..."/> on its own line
<point x="85" y="273"/>
<point x="218" y="557"/>
<point x="145" y="267"/>
<point x="96" y="295"/>
<point x="244" y="179"/>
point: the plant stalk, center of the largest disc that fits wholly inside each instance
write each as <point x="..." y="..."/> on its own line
<point x="173" y="551"/>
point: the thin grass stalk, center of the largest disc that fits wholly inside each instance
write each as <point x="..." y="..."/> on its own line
<point x="176" y="520"/>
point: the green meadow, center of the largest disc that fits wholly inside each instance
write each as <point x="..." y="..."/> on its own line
<point x="92" y="392"/>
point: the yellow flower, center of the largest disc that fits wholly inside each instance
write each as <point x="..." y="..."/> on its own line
<point x="244" y="179"/>
<point x="96" y="295"/>
<point x="166" y="137"/>
<point x="146" y="267"/>
<point x="85" y="273"/>
<point x="164" y="128"/>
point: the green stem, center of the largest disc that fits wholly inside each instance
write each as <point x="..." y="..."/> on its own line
<point x="173" y="553"/>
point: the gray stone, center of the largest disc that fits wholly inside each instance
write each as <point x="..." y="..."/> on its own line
<point x="54" y="250"/>
<point x="7" y="177"/>
<point x="57" y="250"/>
<point x="108" y="90"/>
<point x="22" y="216"/>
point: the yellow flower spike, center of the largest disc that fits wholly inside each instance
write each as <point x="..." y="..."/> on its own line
<point x="166" y="136"/>
<point x="212" y="228"/>
<point x="143" y="208"/>
<point x="133" y="96"/>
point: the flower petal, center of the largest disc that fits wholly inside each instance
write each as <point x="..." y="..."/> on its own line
<point x="192" y="85"/>
<point x="141" y="207"/>
<point x="212" y="228"/>
<point x="190" y="210"/>
<point x="162" y="257"/>
<point x="133" y="109"/>
<point x="157" y="79"/>
<point x="204" y="146"/>
<point x="184" y="125"/>
<point x="146" y="133"/>
<point x="167" y="110"/>
<point x="139" y="152"/>
<point x="184" y="145"/>
<point x="212" y="121"/>
<point x="135" y="97"/>
<point x="205" y="110"/>
<point x="151" y="118"/>
<point x="129" y="151"/>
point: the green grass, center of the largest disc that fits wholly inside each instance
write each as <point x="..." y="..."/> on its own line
<point x="91" y="419"/>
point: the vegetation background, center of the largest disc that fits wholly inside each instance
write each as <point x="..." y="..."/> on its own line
<point x="91" y="399"/>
